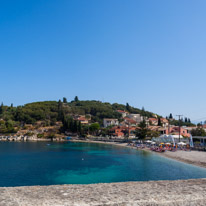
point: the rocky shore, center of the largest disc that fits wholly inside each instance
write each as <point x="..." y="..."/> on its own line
<point x="180" y="192"/>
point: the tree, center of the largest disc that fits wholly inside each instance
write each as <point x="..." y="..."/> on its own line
<point x="151" y="133"/>
<point x="186" y="120"/>
<point x="79" y="128"/>
<point x="159" y="122"/>
<point x="128" y="108"/>
<point x="75" y="126"/>
<point x="51" y="136"/>
<point x="76" y="99"/>
<point x="60" y="110"/>
<point x="199" y="124"/>
<point x="170" y="116"/>
<point x="2" y="108"/>
<point x="141" y="131"/>
<point x="94" y="128"/>
<point x="64" y="100"/>
<point x="198" y="132"/>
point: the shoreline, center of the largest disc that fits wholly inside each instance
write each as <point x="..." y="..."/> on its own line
<point x="188" y="157"/>
<point x="178" y="155"/>
<point x="157" y="193"/>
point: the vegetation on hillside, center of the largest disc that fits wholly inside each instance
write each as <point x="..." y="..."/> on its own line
<point x="49" y="112"/>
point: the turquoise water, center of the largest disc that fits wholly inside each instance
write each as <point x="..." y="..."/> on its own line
<point x="41" y="163"/>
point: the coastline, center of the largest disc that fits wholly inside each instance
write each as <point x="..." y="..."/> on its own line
<point x="156" y="193"/>
<point x="197" y="158"/>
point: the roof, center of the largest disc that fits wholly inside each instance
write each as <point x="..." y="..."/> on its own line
<point x="130" y="120"/>
<point x="121" y="111"/>
<point x="153" y="119"/>
<point x="82" y="119"/>
<point x="110" y="119"/>
<point x="163" y="119"/>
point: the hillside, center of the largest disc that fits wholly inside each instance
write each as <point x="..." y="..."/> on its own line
<point x="49" y="112"/>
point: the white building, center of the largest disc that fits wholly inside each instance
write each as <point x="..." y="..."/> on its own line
<point x="110" y="122"/>
<point x="136" y="117"/>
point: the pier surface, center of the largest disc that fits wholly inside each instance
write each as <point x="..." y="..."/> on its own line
<point x="179" y="192"/>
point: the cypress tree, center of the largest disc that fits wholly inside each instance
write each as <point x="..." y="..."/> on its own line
<point x="159" y="122"/>
<point x="80" y="128"/>
<point x="2" y="108"/>
<point x="76" y="99"/>
<point x="64" y="100"/>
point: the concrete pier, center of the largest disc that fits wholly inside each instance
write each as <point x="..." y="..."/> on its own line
<point x="181" y="192"/>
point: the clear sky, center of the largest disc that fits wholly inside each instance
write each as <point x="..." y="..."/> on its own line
<point x="149" y="53"/>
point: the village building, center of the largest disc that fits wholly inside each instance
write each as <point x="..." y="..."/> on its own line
<point x="164" y="122"/>
<point x="153" y="121"/>
<point x="122" y="131"/>
<point x="123" y="113"/>
<point x="136" y="117"/>
<point x="110" y="122"/>
<point x="174" y="130"/>
<point x="82" y="119"/>
<point x="129" y="121"/>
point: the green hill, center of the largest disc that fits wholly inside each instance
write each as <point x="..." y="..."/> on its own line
<point x="49" y="112"/>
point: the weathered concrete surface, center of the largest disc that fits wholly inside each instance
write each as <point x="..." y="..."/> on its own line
<point x="181" y="192"/>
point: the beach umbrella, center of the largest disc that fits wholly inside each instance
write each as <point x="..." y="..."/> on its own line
<point x="148" y="141"/>
<point x="181" y="143"/>
<point x="168" y="143"/>
<point x="153" y="142"/>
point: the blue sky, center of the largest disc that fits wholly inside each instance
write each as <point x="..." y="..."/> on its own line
<point x="148" y="53"/>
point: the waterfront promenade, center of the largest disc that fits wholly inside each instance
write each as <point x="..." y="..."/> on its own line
<point x="178" y="193"/>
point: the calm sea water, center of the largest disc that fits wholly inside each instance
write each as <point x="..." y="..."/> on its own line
<point x="42" y="163"/>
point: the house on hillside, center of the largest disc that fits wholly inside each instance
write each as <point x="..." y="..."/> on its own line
<point x="123" y="113"/>
<point x="136" y="117"/>
<point x="110" y="122"/>
<point x="117" y="131"/>
<point x="164" y="122"/>
<point x="82" y="119"/>
<point x="129" y="121"/>
<point x="153" y="121"/>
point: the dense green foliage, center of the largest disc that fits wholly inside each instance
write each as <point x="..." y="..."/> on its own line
<point x="142" y="130"/>
<point x="49" y="112"/>
<point x="198" y="132"/>
<point x="181" y="122"/>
